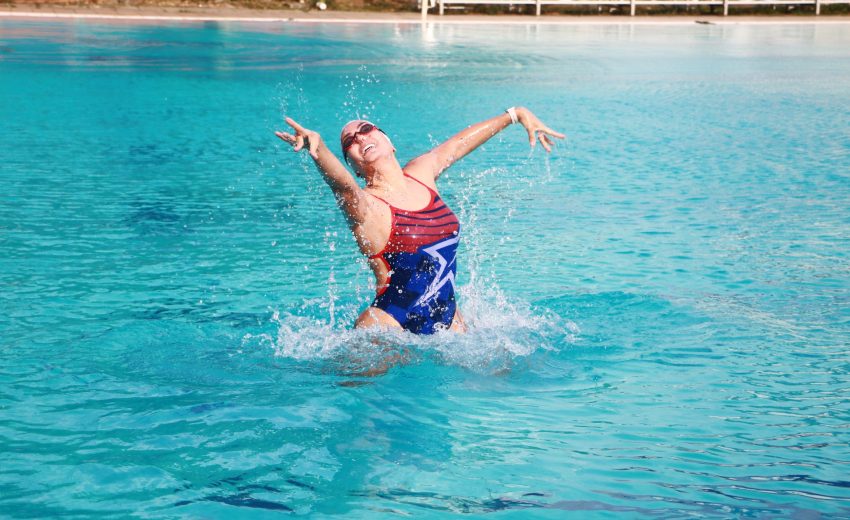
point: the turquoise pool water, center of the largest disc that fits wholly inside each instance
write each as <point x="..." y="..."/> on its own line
<point x="660" y="309"/>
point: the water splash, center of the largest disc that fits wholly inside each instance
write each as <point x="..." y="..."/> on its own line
<point x="333" y="292"/>
<point x="294" y="102"/>
<point x="363" y="90"/>
<point x="502" y="332"/>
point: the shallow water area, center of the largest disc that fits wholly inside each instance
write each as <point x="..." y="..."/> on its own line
<point x="658" y="310"/>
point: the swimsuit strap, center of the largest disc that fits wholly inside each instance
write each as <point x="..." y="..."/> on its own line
<point x="379" y="198"/>
<point x="420" y="182"/>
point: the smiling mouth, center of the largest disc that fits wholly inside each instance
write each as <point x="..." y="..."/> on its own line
<point x="368" y="147"/>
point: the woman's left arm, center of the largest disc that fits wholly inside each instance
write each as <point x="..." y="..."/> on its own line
<point x="458" y="146"/>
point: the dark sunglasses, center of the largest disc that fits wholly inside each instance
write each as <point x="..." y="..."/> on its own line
<point x="348" y="140"/>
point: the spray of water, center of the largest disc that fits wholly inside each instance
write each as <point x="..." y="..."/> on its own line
<point x="364" y="92"/>
<point x="501" y="332"/>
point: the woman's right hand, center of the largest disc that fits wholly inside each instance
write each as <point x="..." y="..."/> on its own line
<point x="302" y="138"/>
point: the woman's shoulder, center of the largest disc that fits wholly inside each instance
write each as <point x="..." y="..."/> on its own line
<point x="420" y="174"/>
<point x="423" y="168"/>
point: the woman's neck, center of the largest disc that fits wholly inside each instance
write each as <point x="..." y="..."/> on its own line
<point x="386" y="176"/>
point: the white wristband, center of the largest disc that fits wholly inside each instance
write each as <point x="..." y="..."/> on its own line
<point x="512" y="112"/>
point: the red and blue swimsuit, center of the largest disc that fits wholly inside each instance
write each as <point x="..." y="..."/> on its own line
<point x="420" y="257"/>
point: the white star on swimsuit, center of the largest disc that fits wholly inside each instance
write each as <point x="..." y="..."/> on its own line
<point x="439" y="279"/>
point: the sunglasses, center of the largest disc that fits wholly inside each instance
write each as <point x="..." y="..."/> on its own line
<point x="348" y="140"/>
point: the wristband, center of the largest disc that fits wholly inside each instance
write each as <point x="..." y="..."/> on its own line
<point x="512" y="112"/>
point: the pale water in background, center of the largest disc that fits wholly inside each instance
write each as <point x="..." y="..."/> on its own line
<point x="660" y="309"/>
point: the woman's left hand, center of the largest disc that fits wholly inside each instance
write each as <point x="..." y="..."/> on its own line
<point x="537" y="131"/>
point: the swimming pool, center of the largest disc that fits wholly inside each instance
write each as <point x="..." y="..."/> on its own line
<point x="660" y="309"/>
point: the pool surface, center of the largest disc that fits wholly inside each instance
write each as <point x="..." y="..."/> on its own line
<point x="660" y="309"/>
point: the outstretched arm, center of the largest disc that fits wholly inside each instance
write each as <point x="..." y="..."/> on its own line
<point x="348" y="193"/>
<point x="458" y="146"/>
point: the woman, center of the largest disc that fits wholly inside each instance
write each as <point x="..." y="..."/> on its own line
<point x="399" y="220"/>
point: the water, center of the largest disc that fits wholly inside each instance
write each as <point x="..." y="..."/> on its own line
<point x="660" y="309"/>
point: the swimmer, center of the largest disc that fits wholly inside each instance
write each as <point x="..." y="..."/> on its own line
<point x="399" y="220"/>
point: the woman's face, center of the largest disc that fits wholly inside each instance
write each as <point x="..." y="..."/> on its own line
<point x="363" y="143"/>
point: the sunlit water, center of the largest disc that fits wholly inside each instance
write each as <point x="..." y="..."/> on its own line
<point x="660" y="310"/>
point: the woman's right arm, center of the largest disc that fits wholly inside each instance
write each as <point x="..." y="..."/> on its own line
<point x="349" y="195"/>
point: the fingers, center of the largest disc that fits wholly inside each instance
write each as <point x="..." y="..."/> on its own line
<point x="300" y="142"/>
<point x="289" y="138"/>
<point x="303" y="138"/>
<point x="553" y="133"/>
<point x="547" y="144"/>
<point x="544" y="135"/>
<point x="295" y="126"/>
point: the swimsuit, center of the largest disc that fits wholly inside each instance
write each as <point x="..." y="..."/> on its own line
<point x="420" y="258"/>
